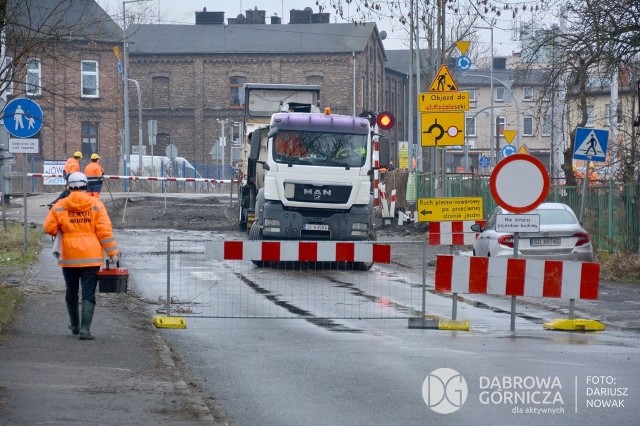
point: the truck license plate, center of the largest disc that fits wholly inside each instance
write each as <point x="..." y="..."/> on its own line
<point x="315" y="227"/>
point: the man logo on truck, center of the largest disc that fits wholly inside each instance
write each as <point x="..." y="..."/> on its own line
<point x="317" y="194"/>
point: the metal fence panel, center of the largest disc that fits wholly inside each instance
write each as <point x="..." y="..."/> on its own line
<point x="208" y="288"/>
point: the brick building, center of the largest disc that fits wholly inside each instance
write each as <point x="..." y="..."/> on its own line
<point x="191" y="76"/>
<point x="59" y="54"/>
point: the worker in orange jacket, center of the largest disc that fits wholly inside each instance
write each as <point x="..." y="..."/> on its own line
<point x="86" y="233"/>
<point x="94" y="173"/>
<point x="71" y="166"/>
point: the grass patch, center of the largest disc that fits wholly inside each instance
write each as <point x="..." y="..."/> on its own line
<point x="14" y="263"/>
<point x="619" y="267"/>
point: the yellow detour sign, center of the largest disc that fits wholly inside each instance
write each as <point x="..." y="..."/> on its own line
<point x="463" y="46"/>
<point x="449" y="209"/>
<point x="443" y="81"/>
<point x="438" y="101"/>
<point x="442" y="128"/>
<point x="509" y="135"/>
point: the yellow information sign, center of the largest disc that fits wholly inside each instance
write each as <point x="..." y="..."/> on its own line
<point x="438" y="101"/>
<point x="449" y="209"/>
<point x="443" y="82"/>
<point x="442" y="129"/>
<point x="509" y="135"/>
<point x="463" y="45"/>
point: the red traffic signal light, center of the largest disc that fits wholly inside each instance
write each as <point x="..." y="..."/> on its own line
<point x="386" y="120"/>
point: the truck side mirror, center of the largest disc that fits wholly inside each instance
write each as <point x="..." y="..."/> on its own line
<point x="254" y="147"/>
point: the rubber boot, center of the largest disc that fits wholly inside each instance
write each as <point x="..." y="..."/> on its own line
<point x="72" y="308"/>
<point x="85" y="320"/>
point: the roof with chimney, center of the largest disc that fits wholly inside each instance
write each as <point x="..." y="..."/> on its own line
<point x="161" y="39"/>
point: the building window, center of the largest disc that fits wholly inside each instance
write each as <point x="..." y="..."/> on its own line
<point x="470" y="126"/>
<point x="237" y="91"/>
<point x="528" y="126"/>
<point x="473" y="95"/>
<point x="527" y="93"/>
<point x="6" y="77"/>
<point x="89" y="138"/>
<point x="90" y="79"/>
<point x="546" y="125"/>
<point x="499" y="94"/>
<point x="160" y="92"/>
<point x="501" y="123"/>
<point x="34" y="77"/>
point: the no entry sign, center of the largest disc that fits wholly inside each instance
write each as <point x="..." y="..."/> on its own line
<point x="519" y="183"/>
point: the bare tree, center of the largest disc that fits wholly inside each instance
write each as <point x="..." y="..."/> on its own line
<point x="593" y="38"/>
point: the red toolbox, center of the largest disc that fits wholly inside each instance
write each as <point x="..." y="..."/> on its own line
<point x="113" y="280"/>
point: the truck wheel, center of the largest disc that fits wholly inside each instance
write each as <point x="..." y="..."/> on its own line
<point x="255" y="235"/>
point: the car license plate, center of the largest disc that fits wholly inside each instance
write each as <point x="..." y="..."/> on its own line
<point x="315" y="227"/>
<point x="540" y="242"/>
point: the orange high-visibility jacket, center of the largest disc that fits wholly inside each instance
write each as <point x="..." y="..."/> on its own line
<point x="72" y="165"/>
<point x="86" y="230"/>
<point x="94" y="173"/>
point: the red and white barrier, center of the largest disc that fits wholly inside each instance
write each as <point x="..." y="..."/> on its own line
<point x="456" y="233"/>
<point x="517" y="277"/>
<point x="152" y="178"/>
<point x="298" y="251"/>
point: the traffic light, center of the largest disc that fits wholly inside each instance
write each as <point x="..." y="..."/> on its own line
<point x="386" y="120"/>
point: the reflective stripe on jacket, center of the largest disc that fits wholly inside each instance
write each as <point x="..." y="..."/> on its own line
<point x="86" y="230"/>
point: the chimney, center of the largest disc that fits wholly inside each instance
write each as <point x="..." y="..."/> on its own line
<point x="276" y="20"/>
<point x="209" y="18"/>
<point x="319" y="18"/>
<point x="499" y="63"/>
<point x="256" y="16"/>
<point x="300" y="16"/>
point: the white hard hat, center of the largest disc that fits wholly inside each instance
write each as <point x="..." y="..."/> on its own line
<point x="77" y="180"/>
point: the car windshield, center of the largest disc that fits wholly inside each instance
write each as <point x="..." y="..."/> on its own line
<point x="320" y="149"/>
<point x="555" y="217"/>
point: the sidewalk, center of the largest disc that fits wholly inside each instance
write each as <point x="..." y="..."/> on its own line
<point x="125" y="376"/>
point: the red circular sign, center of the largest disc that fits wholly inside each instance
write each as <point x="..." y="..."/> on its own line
<point x="519" y="183"/>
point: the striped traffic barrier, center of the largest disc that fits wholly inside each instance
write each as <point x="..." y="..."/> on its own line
<point x="454" y="233"/>
<point x="298" y="251"/>
<point x="151" y="178"/>
<point x="518" y="277"/>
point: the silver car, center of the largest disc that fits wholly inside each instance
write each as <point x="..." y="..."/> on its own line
<point x="561" y="236"/>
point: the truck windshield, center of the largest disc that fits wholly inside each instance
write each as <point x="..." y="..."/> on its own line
<point x="320" y="149"/>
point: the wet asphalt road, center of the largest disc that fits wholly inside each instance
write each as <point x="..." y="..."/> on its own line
<point x="369" y="371"/>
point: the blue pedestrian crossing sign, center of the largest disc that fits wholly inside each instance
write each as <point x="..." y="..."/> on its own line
<point x="591" y="144"/>
<point x="22" y="118"/>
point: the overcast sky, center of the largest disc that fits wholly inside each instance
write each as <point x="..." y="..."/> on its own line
<point x="183" y="12"/>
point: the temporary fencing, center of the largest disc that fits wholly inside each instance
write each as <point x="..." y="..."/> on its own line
<point x="304" y="279"/>
<point x="324" y="280"/>
<point x="517" y="277"/>
<point x="455" y="233"/>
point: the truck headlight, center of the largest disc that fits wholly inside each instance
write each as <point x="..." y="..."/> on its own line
<point x="271" y="225"/>
<point x="360" y="229"/>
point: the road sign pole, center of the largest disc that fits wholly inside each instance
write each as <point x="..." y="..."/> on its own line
<point x="585" y="183"/>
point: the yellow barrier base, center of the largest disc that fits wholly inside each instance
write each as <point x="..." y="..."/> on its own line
<point x="161" y="321"/>
<point x="575" y="324"/>
<point x="445" y="324"/>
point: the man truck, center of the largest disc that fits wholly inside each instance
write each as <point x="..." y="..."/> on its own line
<point x="307" y="174"/>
